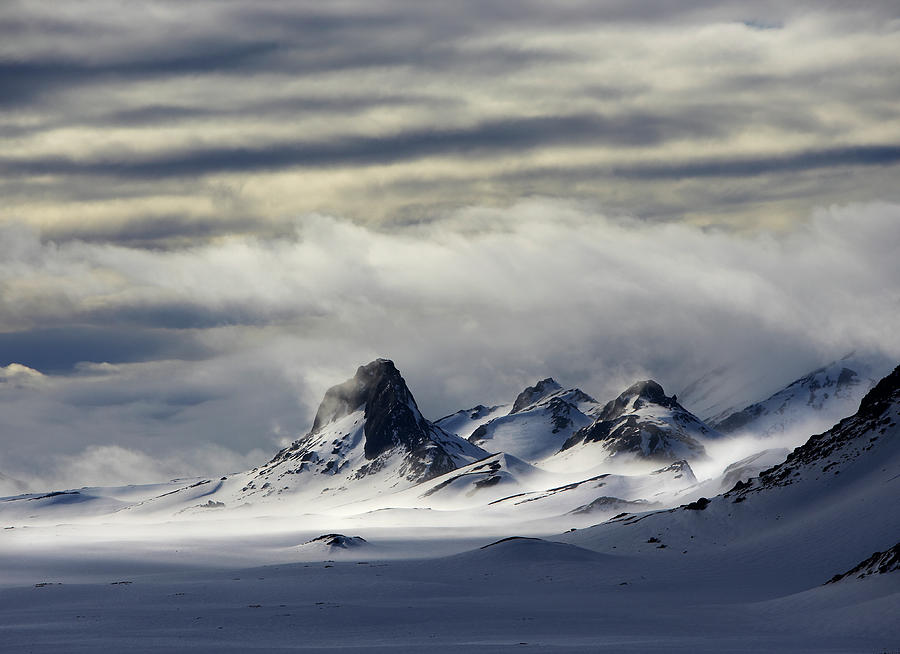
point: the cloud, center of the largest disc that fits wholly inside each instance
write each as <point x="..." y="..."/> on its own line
<point x="112" y="465"/>
<point x="396" y="110"/>
<point x="634" y="130"/>
<point x="472" y="308"/>
<point x="18" y="376"/>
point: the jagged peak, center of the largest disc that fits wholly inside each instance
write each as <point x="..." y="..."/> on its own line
<point x="534" y="393"/>
<point x="648" y="390"/>
<point x="376" y="382"/>
<point x="635" y="396"/>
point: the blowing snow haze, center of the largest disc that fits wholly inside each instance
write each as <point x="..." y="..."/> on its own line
<point x="214" y="212"/>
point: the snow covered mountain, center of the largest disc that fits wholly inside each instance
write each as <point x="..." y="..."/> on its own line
<point x="808" y="405"/>
<point x="642" y="423"/>
<point x="367" y="433"/>
<point x="536" y="425"/>
<point x="817" y="514"/>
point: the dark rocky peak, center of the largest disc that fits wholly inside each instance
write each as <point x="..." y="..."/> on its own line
<point x="649" y="390"/>
<point x="534" y="393"/>
<point x="625" y="430"/>
<point x="376" y="384"/>
<point x="639" y="394"/>
<point x="391" y="415"/>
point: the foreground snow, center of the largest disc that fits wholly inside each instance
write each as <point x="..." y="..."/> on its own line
<point x="515" y="595"/>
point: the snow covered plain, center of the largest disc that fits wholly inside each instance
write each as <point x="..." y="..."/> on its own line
<point x="187" y="566"/>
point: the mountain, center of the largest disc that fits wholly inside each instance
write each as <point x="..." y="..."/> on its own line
<point x="536" y="425"/>
<point x="533" y="394"/>
<point x="642" y="423"/>
<point x="842" y="446"/>
<point x="809" y="404"/>
<point x="820" y="512"/>
<point x="367" y="430"/>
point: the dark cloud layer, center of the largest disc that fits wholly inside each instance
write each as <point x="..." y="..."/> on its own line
<point x="59" y="349"/>
<point x="118" y="112"/>
<point x="507" y="135"/>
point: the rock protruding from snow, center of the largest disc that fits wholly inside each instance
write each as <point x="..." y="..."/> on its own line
<point x="879" y="563"/>
<point x="534" y="393"/>
<point x="390" y="411"/>
<point x="645" y="423"/>
<point x="339" y="541"/>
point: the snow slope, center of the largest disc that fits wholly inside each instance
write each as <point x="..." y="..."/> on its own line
<point x="808" y="405"/>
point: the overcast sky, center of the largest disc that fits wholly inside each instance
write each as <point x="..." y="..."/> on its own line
<point x="212" y="211"/>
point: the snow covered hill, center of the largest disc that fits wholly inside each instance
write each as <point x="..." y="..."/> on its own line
<point x="534" y="426"/>
<point x="641" y="424"/>
<point x="809" y="404"/>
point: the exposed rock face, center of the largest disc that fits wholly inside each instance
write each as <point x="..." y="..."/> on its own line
<point x="392" y="417"/>
<point x="645" y="423"/>
<point x="339" y="541"/>
<point x="534" y="393"/>
<point x="879" y="563"/>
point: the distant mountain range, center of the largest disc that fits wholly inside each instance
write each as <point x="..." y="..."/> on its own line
<point x="552" y="453"/>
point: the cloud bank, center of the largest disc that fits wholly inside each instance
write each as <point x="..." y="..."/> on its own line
<point x="167" y="124"/>
<point x="111" y="353"/>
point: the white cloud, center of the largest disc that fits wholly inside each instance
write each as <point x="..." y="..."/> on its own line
<point x="18" y="376"/>
<point x="471" y="308"/>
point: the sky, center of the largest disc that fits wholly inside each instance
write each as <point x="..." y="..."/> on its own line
<point x="213" y="211"/>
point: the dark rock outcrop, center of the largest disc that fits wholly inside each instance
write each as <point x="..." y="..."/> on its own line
<point x="879" y="563"/>
<point x="623" y="428"/>
<point x="534" y="393"/>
